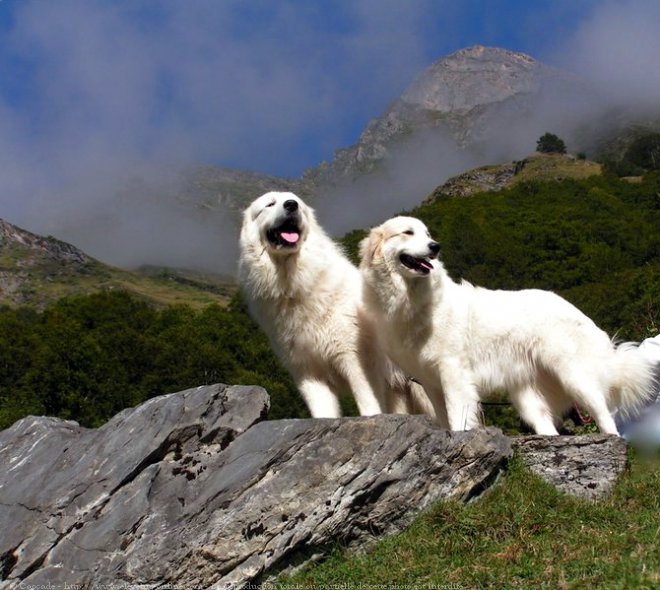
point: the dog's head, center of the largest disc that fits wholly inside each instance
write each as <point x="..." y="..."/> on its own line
<point x="403" y="245"/>
<point x="279" y="221"/>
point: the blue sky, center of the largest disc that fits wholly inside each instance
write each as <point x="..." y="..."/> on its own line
<point x="92" y="90"/>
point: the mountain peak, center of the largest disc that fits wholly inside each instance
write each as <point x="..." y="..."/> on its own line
<point x="485" y="53"/>
<point x="474" y="76"/>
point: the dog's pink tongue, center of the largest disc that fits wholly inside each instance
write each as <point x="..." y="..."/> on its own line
<point x="291" y="237"/>
<point x="426" y="265"/>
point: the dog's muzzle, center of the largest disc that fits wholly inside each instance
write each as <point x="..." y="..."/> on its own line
<point x="287" y="234"/>
<point x="423" y="264"/>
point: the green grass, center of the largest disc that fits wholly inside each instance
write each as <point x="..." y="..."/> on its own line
<point x="545" y="167"/>
<point x="522" y="534"/>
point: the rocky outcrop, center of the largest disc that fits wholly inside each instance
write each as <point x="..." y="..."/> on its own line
<point x="476" y="76"/>
<point x="49" y="248"/>
<point x="59" y="477"/>
<point x="194" y="489"/>
<point x="479" y="180"/>
<point x="187" y="489"/>
<point x="25" y="256"/>
<point x="583" y="466"/>
<point x="536" y="167"/>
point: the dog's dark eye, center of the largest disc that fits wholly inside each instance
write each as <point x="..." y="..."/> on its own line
<point x="271" y="204"/>
<point x="409" y="232"/>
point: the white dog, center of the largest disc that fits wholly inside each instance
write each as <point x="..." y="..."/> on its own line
<point x="464" y="342"/>
<point x="306" y="295"/>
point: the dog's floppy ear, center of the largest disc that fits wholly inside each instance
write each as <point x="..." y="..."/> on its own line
<point x="370" y="247"/>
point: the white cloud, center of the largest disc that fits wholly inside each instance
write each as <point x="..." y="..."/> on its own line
<point x="111" y="87"/>
<point x="618" y="46"/>
<point x="106" y="88"/>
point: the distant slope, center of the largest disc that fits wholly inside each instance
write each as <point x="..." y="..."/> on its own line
<point x="212" y="188"/>
<point x="205" y="190"/>
<point x="538" y="167"/>
<point x="36" y="270"/>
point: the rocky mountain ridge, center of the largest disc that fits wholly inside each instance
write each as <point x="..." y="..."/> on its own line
<point x="459" y="97"/>
<point x="463" y="100"/>
<point x="44" y="247"/>
<point x="475" y="76"/>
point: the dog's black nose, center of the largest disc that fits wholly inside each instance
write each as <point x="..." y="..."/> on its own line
<point x="434" y="247"/>
<point x="291" y="205"/>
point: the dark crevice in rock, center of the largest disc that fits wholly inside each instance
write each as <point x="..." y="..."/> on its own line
<point x="37" y="563"/>
<point x="218" y="398"/>
<point x="488" y="482"/>
<point x="7" y="562"/>
<point x="293" y="561"/>
<point x="370" y="496"/>
<point x="170" y="444"/>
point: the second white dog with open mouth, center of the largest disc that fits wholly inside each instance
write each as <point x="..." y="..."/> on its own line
<point x="465" y="342"/>
<point x="307" y="296"/>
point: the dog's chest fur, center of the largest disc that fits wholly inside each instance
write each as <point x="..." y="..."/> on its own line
<point x="406" y="310"/>
<point x="307" y="303"/>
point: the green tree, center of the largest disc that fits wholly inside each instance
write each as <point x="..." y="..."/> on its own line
<point x="549" y="143"/>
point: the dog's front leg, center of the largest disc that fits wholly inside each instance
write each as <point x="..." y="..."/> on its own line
<point x="321" y="401"/>
<point x="437" y="399"/>
<point x="367" y="393"/>
<point x="462" y="412"/>
<point x="461" y="399"/>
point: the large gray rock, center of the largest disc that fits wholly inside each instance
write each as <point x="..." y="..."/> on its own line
<point x="187" y="489"/>
<point x="58" y="476"/>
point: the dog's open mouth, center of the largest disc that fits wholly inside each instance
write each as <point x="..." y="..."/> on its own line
<point x="286" y="235"/>
<point x="421" y="265"/>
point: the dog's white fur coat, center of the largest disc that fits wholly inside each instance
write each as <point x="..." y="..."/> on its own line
<point x="464" y="342"/>
<point x="307" y="297"/>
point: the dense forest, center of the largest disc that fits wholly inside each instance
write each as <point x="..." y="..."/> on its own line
<point x="594" y="241"/>
<point x="88" y="357"/>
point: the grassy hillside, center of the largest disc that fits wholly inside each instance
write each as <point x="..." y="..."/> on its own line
<point x="47" y="283"/>
<point x="544" y="167"/>
<point x="523" y="534"/>
<point x="537" y="167"/>
<point x="37" y="271"/>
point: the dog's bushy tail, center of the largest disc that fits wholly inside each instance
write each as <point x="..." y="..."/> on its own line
<point x="635" y="381"/>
